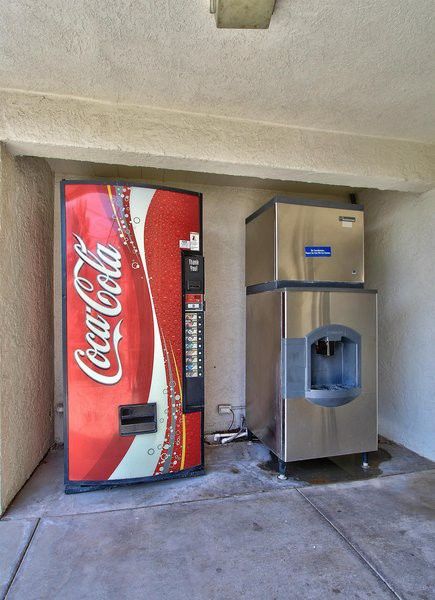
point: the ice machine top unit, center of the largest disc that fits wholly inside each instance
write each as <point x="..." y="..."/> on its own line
<point x="133" y="287"/>
<point x="293" y="242"/>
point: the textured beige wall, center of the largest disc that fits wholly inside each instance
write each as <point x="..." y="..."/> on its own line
<point x="26" y="380"/>
<point x="400" y="253"/>
<point x="362" y="66"/>
<point x="225" y="209"/>
<point x="78" y="129"/>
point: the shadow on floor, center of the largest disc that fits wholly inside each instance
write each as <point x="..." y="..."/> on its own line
<point x="232" y="469"/>
<point x="332" y="470"/>
<point x="237" y="531"/>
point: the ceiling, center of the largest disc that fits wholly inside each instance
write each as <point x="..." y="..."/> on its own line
<point x="360" y="66"/>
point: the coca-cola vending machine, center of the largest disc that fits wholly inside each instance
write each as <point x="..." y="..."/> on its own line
<point x="133" y="330"/>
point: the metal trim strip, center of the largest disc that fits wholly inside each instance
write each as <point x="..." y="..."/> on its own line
<point x="318" y="285"/>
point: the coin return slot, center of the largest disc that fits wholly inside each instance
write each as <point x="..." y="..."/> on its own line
<point x="138" y="418"/>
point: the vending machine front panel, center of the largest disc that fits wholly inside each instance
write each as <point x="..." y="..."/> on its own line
<point x="129" y="416"/>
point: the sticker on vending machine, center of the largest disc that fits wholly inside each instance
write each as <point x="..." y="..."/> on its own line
<point x="194" y="241"/>
<point x="185" y="244"/>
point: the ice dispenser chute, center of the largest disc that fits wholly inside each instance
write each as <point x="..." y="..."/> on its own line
<point x="324" y="367"/>
<point x="333" y="369"/>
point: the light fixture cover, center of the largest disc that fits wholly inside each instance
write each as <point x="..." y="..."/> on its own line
<point x="242" y="14"/>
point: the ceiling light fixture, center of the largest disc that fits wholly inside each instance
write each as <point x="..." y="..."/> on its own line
<point x="242" y="14"/>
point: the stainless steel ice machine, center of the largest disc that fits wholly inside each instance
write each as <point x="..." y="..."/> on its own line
<point x="311" y="351"/>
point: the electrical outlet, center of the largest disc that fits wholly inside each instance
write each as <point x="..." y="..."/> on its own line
<point x="224" y="409"/>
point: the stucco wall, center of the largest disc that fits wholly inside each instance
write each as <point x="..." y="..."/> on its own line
<point x="225" y="209"/>
<point x="52" y="126"/>
<point x="400" y="253"/>
<point x="26" y="379"/>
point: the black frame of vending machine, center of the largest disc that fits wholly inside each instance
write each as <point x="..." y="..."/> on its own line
<point x="74" y="487"/>
<point x="196" y="388"/>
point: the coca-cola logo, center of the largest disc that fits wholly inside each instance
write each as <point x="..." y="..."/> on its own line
<point x="102" y="305"/>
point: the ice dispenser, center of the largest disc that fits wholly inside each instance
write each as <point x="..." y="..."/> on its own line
<point x="333" y="371"/>
<point x="311" y="329"/>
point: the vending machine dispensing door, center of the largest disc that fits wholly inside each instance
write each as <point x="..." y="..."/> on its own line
<point x="133" y="321"/>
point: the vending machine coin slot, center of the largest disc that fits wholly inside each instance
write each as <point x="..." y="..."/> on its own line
<point x="193" y="273"/>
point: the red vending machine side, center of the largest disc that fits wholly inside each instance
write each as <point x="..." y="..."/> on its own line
<point x="133" y="332"/>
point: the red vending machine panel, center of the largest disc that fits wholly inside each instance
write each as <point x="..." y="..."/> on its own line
<point x="133" y="347"/>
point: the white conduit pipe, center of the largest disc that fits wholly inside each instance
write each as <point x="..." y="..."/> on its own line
<point x="234" y="436"/>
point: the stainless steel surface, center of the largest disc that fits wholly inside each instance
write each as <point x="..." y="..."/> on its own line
<point x="310" y="430"/>
<point x="300" y="226"/>
<point x="276" y="240"/>
<point x="306" y="309"/>
<point x="260" y="248"/>
<point x="263" y="357"/>
<point x="295" y="428"/>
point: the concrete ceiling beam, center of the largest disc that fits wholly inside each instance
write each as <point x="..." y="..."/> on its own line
<point x="81" y="129"/>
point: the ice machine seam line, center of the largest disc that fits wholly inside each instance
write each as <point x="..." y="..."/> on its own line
<point x="366" y="561"/>
<point x="21" y="559"/>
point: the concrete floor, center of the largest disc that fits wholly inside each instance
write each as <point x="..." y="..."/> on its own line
<point x="331" y="530"/>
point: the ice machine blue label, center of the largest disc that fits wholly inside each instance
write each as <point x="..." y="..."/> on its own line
<point x="313" y="251"/>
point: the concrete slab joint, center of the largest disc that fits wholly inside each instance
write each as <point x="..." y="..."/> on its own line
<point x="371" y="538"/>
